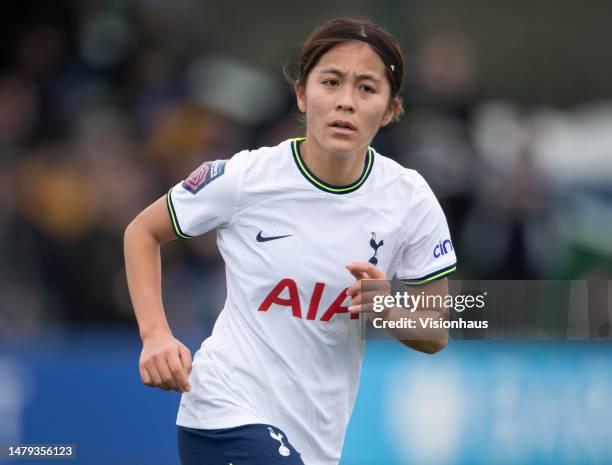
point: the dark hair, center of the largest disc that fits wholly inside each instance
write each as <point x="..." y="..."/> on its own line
<point x="341" y="30"/>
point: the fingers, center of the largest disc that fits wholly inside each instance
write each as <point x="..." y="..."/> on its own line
<point x="378" y="285"/>
<point x="185" y="356"/>
<point x="358" y="274"/>
<point x="144" y="375"/>
<point x="149" y="375"/>
<point x="365" y="267"/>
<point x="354" y="289"/>
<point x="361" y="308"/>
<point x="166" y="365"/>
<point x="156" y="377"/>
<point x="179" y="375"/>
<point x="366" y="297"/>
<point x="168" y="382"/>
<point x="363" y="300"/>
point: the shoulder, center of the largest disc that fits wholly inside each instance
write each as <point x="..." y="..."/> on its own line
<point x="407" y="181"/>
<point x="262" y="173"/>
<point x="257" y="162"/>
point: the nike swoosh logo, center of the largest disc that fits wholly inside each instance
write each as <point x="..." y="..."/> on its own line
<point x="260" y="238"/>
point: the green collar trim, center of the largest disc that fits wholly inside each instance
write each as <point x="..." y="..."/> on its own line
<point x="322" y="185"/>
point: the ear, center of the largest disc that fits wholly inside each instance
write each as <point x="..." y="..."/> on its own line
<point x="300" y="93"/>
<point x="392" y="110"/>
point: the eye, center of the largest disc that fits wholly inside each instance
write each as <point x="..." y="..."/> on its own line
<point x="330" y="82"/>
<point x="368" y="89"/>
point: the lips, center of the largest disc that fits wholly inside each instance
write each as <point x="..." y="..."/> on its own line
<point x="342" y="126"/>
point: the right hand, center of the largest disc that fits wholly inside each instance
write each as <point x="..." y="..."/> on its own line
<point x="166" y="363"/>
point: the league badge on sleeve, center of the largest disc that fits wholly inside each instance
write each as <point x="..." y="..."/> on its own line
<point x="207" y="172"/>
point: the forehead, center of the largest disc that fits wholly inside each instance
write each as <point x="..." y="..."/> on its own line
<point x="353" y="56"/>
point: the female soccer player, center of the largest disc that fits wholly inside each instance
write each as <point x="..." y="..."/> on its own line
<point x="300" y="226"/>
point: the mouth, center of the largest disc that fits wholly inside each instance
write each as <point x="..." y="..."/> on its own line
<point x="342" y="127"/>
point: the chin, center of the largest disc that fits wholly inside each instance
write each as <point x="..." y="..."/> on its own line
<point x="342" y="147"/>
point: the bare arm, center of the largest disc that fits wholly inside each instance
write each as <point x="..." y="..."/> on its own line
<point x="428" y="340"/>
<point x="165" y="362"/>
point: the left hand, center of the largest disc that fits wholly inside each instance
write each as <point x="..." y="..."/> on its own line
<point x="377" y="285"/>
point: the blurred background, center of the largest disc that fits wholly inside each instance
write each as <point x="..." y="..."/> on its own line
<point x="104" y="105"/>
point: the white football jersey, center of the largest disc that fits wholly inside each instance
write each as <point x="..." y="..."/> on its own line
<point x="284" y="350"/>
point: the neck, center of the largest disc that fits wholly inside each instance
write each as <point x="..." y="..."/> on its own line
<point x="330" y="167"/>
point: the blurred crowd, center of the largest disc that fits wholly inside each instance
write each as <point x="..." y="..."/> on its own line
<point x="98" y="119"/>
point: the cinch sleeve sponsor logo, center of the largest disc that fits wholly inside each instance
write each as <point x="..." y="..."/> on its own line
<point x="442" y="248"/>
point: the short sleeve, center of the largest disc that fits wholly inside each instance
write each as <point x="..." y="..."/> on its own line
<point x="208" y="198"/>
<point x="428" y="253"/>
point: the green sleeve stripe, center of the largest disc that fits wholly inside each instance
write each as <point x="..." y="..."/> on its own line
<point x="430" y="278"/>
<point x="175" y="223"/>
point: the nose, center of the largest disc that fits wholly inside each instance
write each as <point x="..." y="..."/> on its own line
<point x="345" y="100"/>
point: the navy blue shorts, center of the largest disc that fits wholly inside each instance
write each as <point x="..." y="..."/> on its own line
<point x="244" y="445"/>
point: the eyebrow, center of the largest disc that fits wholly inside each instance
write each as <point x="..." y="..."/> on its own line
<point x="339" y="73"/>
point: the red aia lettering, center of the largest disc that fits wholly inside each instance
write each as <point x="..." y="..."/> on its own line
<point x="274" y="297"/>
<point x="336" y="307"/>
<point x="315" y="300"/>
